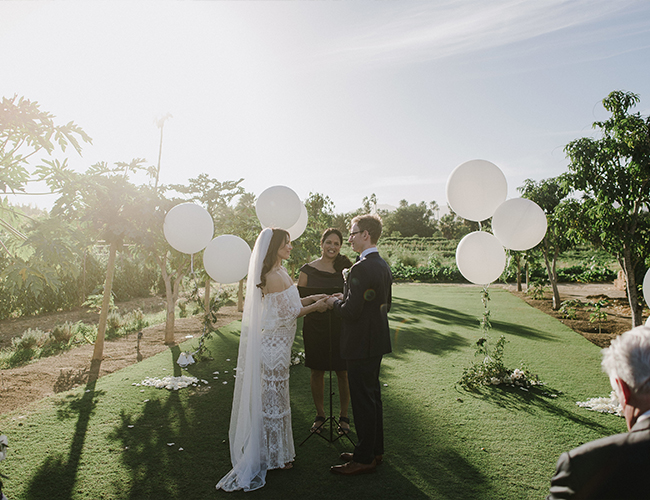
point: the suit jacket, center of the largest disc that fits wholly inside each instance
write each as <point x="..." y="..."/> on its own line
<point x="364" y="309"/>
<point x="614" y="467"/>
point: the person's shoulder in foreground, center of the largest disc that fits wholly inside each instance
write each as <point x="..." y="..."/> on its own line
<point x="615" y="467"/>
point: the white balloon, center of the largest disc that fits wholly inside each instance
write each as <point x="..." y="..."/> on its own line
<point x="299" y="227"/>
<point x="475" y="189"/>
<point x="226" y="257"/>
<point x="278" y="206"/>
<point x="480" y="257"/>
<point x="188" y="228"/>
<point x="519" y="224"/>
<point x="646" y="287"/>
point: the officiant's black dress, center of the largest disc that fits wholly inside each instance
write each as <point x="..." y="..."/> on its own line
<point x="315" y="328"/>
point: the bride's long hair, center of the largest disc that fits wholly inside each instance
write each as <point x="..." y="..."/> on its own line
<point x="278" y="240"/>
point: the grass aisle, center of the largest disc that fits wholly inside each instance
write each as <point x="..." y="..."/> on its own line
<point x="114" y="440"/>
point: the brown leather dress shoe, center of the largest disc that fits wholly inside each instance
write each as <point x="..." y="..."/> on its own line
<point x="353" y="468"/>
<point x="348" y="457"/>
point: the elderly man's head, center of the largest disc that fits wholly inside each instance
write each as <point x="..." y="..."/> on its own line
<point x="627" y="362"/>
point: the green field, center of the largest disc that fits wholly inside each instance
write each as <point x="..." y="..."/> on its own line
<point x="114" y="440"/>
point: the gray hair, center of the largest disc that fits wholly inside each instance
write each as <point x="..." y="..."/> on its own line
<point x="628" y="358"/>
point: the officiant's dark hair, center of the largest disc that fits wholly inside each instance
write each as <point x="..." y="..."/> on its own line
<point x="278" y="240"/>
<point x="370" y="223"/>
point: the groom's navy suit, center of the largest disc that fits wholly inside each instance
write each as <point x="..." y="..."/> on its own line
<point x="365" y="338"/>
<point x="611" y="467"/>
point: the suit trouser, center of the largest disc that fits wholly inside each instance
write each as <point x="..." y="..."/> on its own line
<point x="365" y="396"/>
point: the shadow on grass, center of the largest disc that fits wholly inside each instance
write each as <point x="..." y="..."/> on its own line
<point x="56" y="477"/>
<point x="411" y="332"/>
<point x="532" y="401"/>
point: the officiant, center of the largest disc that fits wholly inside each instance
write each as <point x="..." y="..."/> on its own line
<point x="322" y="331"/>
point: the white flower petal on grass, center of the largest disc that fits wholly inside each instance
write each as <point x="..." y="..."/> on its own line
<point x="171" y="383"/>
<point x="603" y="405"/>
<point x="171" y="444"/>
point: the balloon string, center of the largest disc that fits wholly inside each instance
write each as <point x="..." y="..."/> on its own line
<point x="192" y="264"/>
<point x="480" y="228"/>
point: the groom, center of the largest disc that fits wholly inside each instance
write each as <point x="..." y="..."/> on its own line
<point x="365" y="338"/>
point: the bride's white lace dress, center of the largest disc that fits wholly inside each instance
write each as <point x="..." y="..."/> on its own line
<point x="279" y="314"/>
<point x="260" y="434"/>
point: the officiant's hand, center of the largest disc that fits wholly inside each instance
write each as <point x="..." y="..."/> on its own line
<point x="338" y="296"/>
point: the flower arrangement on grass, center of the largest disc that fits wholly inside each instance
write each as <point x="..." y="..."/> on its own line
<point x="492" y="371"/>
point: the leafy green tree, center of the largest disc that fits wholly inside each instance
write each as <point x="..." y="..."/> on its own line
<point x="103" y="202"/>
<point x="454" y="227"/>
<point x="549" y="194"/>
<point x="613" y="174"/>
<point x="411" y="220"/>
<point x="26" y="131"/>
<point x="320" y="213"/>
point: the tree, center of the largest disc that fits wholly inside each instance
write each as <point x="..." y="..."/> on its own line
<point x="320" y="213"/>
<point x="25" y="131"/>
<point x="613" y="175"/>
<point x="548" y="194"/>
<point x="104" y="201"/>
<point x="411" y="220"/>
<point x="454" y="227"/>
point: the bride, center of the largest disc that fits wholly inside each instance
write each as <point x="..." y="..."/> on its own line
<point x="260" y="423"/>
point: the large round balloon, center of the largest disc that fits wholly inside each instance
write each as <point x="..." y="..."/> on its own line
<point x="646" y="287"/>
<point x="226" y="258"/>
<point x="278" y="206"/>
<point x="188" y="228"/>
<point x="480" y="257"/>
<point x="519" y="224"/>
<point x="299" y="227"/>
<point x="475" y="189"/>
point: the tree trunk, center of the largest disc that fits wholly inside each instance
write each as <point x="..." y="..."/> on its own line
<point x="630" y="284"/>
<point x="171" y="296"/>
<point x="552" y="276"/>
<point x="98" y="352"/>
<point x="518" y="262"/>
<point x="240" y="296"/>
<point x="527" y="277"/>
<point x="206" y="298"/>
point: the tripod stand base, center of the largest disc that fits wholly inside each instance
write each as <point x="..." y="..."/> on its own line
<point x="332" y="437"/>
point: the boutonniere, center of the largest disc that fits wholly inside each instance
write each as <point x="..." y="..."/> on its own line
<point x="346" y="273"/>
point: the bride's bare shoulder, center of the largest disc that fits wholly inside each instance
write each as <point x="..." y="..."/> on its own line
<point x="276" y="281"/>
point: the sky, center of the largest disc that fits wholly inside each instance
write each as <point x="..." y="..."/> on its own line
<point x="340" y="97"/>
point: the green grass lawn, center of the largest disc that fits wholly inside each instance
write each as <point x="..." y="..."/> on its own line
<point x="115" y="440"/>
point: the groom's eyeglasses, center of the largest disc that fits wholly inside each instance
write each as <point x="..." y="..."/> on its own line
<point x="355" y="232"/>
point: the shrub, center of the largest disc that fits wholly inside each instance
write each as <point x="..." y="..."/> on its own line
<point x="30" y="339"/>
<point x="63" y="333"/>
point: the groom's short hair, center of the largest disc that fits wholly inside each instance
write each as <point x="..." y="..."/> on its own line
<point x="370" y="223"/>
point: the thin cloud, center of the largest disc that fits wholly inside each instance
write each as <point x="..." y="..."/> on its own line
<point x="434" y="31"/>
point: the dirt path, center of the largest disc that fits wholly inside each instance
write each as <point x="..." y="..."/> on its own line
<point x="21" y="386"/>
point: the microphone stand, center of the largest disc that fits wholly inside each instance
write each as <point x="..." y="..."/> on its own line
<point x="331" y="419"/>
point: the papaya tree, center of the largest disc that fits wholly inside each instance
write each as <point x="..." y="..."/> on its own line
<point x="105" y="203"/>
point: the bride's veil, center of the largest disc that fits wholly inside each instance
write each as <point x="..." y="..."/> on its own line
<point x="247" y="453"/>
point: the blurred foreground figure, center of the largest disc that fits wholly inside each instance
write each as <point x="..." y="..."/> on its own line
<point x="615" y="467"/>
